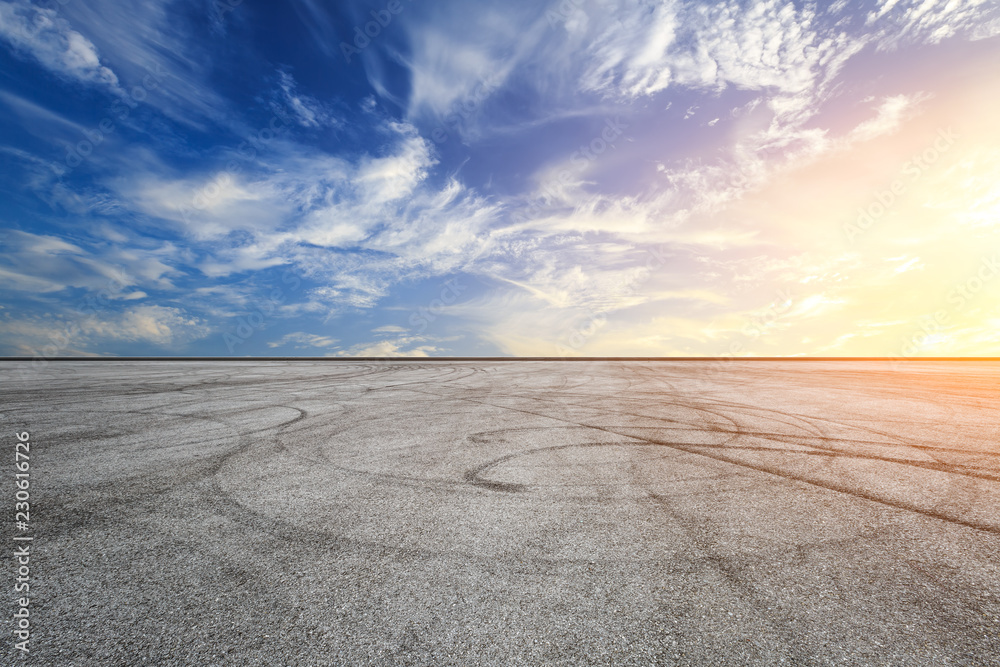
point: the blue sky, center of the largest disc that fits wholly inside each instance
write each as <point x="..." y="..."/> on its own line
<point x="484" y="178"/>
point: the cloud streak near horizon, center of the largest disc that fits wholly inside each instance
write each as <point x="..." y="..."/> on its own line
<point x="582" y="177"/>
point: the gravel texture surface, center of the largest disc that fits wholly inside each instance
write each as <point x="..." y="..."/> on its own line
<point x="507" y="513"/>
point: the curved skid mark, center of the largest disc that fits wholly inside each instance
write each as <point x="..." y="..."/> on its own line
<point x="957" y="469"/>
<point x="772" y="470"/>
<point x="473" y="476"/>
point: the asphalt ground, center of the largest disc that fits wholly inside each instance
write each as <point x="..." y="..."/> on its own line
<point x="507" y="513"/>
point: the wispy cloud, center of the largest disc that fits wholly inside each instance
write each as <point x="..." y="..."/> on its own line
<point x="644" y="172"/>
<point x="301" y="340"/>
<point x="44" y="36"/>
<point x="307" y="110"/>
<point x="163" y="327"/>
<point x="899" y="22"/>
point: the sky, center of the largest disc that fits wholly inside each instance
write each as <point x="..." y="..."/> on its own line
<point x="574" y="178"/>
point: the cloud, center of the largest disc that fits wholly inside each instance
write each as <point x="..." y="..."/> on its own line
<point x="44" y="36"/>
<point x="159" y="325"/>
<point x="307" y="111"/>
<point x="450" y="67"/>
<point x="901" y="22"/>
<point x="350" y="290"/>
<point x="286" y="189"/>
<point x="363" y="215"/>
<point x="631" y="56"/>
<point x="315" y="18"/>
<point x="38" y="263"/>
<point x="403" y="347"/>
<point x="357" y="222"/>
<point x="967" y="193"/>
<point x="891" y="114"/>
<point x="68" y="333"/>
<point x="389" y="179"/>
<point x="45" y="263"/>
<point x="156" y="54"/>
<point x="769" y="45"/>
<point x="301" y="340"/>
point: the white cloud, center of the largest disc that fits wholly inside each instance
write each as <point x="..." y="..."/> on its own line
<point x="42" y="123"/>
<point x="42" y="263"/>
<point x="403" y="347"/>
<point x="378" y="212"/>
<point x="72" y="333"/>
<point x="290" y="193"/>
<point x="160" y="325"/>
<point x="314" y="16"/>
<point x="889" y="118"/>
<point x="632" y="54"/>
<point x="350" y="290"/>
<point x="308" y="111"/>
<point x="459" y="63"/>
<point x="50" y="40"/>
<point x="910" y="265"/>
<point x="301" y="340"/>
<point x="770" y="45"/>
<point x="389" y="179"/>
<point x="901" y="22"/>
<point x="356" y="225"/>
<point x="155" y="58"/>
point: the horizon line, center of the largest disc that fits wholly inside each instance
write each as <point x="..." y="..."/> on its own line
<point x="507" y="358"/>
